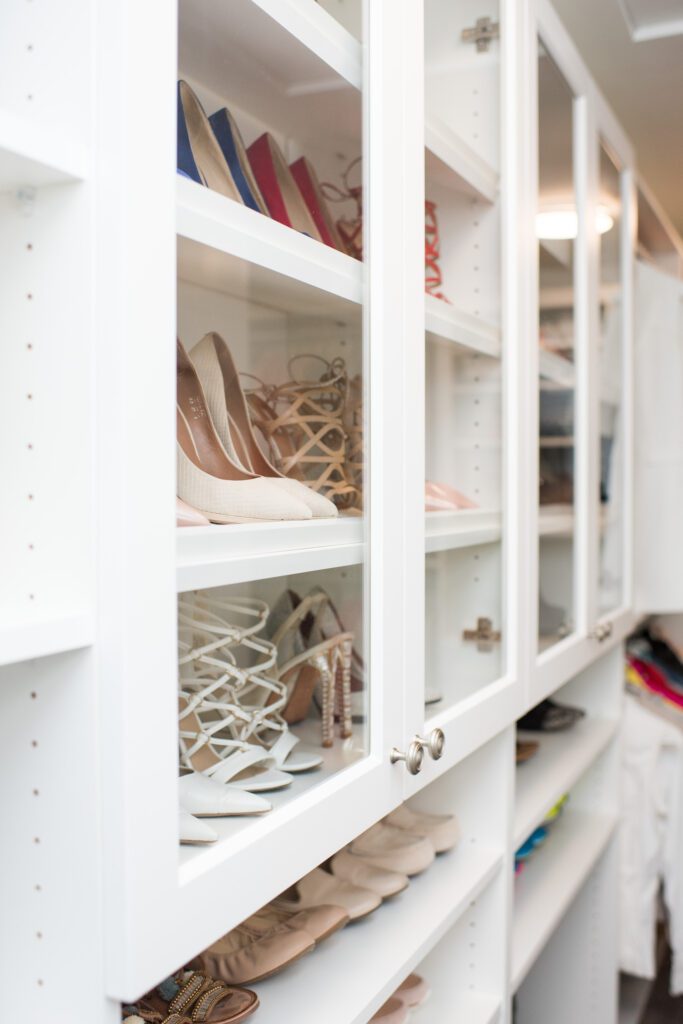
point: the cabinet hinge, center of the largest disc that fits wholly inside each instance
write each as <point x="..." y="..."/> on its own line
<point x="482" y="34"/>
<point x="484" y="635"/>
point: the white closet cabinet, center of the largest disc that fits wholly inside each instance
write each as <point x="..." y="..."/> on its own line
<point x="470" y="118"/>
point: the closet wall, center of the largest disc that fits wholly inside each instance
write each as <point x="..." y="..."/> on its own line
<point x="500" y="383"/>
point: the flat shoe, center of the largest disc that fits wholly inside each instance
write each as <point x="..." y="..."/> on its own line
<point x="200" y="995"/>
<point x="393" y="1012"/>
<point x="352" y="868"/>
<point x="278" y="187"/>
<point x="413" y="991"/>
<point x="205" y="798"/>
<point x="320" y="887"/>
<point x="229" y="139"/>
<point x="199" y="155"/>
<point x="394" y="849"/>
<point x="255" y="950"/>
<point x="442" y="830"/>
<point x="319" y="922"/>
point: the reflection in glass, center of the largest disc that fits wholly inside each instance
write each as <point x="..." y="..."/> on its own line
<point x="611" y="364"/>
<point x="556" y="231"/>
<point x="464" y="631"/>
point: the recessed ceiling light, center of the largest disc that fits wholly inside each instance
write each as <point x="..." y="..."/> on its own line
<point x="561" y="222"/>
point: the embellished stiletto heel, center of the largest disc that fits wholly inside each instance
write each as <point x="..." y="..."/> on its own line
<point x="321" y="672"/>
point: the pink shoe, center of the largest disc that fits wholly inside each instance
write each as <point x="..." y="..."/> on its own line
<point x="393" y="1012"/>
<point x="413" y="992"/>
<point x="185" y="515"/>
<point x="304" y="175"/>
<point x="279" y="189"/>
<point x="444" y="498"/>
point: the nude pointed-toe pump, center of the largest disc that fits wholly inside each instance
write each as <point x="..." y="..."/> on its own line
<point x="208" y="478"/>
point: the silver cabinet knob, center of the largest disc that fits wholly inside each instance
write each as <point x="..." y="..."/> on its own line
<point x="413" y="757"/>
<point x="608" y="629"/>
<point x="599" y="633"/>
<point x="435" y="743"/>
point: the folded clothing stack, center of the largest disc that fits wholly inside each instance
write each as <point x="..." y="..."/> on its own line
<point x="654" y="673"/>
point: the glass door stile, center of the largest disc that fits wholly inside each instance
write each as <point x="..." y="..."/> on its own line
<point x="556" y="228"/>
<point x="465" y="637"/>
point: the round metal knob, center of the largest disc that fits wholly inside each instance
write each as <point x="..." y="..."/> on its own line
<point x="599" y="633"/>
<point x="413" y="757"/>
<point x="608" y="629"/>
<point x="435" y="743"/>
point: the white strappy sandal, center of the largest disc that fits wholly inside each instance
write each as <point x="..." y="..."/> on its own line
<point x="246" y="699"/>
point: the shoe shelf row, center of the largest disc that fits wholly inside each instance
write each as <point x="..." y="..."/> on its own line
<point x="210" y="557"/>
<point x="581" y="767"/>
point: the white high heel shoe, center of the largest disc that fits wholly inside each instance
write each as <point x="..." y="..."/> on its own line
<point x="193" y="832"/>
<point x="225" y="760"/>
<point x="208" y="479"/>
<point x="206" y="798"/>
<point x="219" y="377"/>
<point x="247" y="698"/>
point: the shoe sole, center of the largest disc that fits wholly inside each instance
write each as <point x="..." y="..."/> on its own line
<point x="335" y="928"/>
<point x="231" y="814"/>
<point x="245" y="1013"/>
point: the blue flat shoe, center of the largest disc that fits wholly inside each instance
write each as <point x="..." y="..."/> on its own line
<point x="199" y="155"/>
<point x="230" y="140"/>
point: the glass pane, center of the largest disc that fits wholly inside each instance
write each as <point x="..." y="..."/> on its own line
<point x="272" y="401"/>
<point x="610" y="591"/>
<point x="556" y="230"/>
<point x="463" y="430"/>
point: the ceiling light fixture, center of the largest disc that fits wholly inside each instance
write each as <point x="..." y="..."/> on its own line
<point x="561" y="222"/>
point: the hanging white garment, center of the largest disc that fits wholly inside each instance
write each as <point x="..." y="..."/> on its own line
<point x="658" y="471"/>
<point x="651" y="840"/>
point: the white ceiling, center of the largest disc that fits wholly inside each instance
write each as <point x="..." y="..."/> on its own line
<point x="643" y="82"/>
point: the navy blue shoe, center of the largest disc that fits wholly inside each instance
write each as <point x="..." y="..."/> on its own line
<point x="186" y="162"/>
<point x="229" y="139"/>
<point x="199" y="155"/>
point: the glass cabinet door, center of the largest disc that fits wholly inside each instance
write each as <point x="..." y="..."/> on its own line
<point x="556" y="229"/>
<point x="464" y="628"/>
<point x="610" y="384"/>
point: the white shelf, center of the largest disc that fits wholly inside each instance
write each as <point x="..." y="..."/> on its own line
<point x="562" y="758"/>
<point x="215" y="556"/>
<point x="445" y="531"/>
<point x="36" y="636"/>
<point x="211" y="556"/>
<point x="556" y="368"/>
<point x="33" y="154"/>
<point x="466" y="1007"/>
<point x="378" y="952"/>
<point x="556" y="442"/>
<point x="446" y="323"/>
<point x="196" y="862"/>
<point x="299" y="37"/>
<point x="229" y="248"/>
<point x="550" y="881"/>
<point x="450" y="161"/>
<point x="559" y="520"/>
<point x="286" y="64"/>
